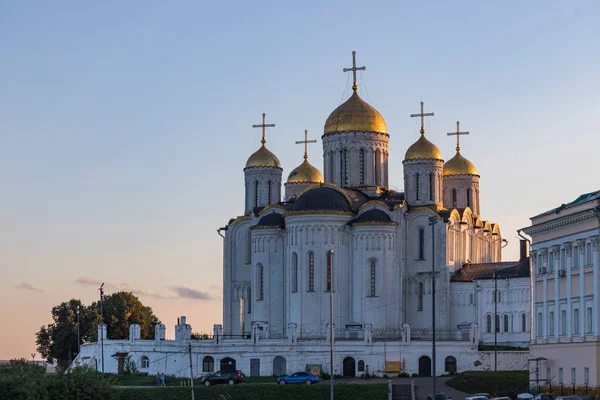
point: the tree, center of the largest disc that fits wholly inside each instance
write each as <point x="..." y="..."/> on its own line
<point x="58" y="341"/>
<point x="122" y="309"/>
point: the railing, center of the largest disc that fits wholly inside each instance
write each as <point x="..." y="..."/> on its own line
<point x="387" y="334"/>
<point x="440" y="334"/>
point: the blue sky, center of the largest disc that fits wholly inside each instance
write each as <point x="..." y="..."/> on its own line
<point x="124" y="127"/>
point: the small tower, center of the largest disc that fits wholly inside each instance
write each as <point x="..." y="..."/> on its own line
<point x="461" y="181"/>
<point x="303" y="176"/>
<point x="423" y="166"/>
<point x="262" y="175"/>
<point x="355" y="143"/>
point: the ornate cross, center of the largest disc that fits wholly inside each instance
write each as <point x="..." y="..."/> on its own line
<point x="422" y="115"/>
<point x="457" y="134"/>
<point x="263" y="126"/>
<point x="306" y="142"/>
<point x="354" y="69"/>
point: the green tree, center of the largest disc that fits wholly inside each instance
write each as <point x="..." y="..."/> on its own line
<point x="57" y="341"/>
<point x="122" y="309"/>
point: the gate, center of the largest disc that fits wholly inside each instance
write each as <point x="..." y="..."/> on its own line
<point x="349" y="367"/>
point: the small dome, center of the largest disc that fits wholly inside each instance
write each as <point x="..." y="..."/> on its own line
<point x="458" y="165"/>
<point x="274" y="220"/>
<point x="374" y="215"/>
<point x="355" y="115"/>
<point x="423" y="149"/>
<point x="322" y="198"/>
<point x="305" y="172"/>
<point x="263" y="158"/>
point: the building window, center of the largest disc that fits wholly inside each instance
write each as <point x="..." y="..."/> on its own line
<point x="551" y="323"/>
<point x="498" y="296"/>
<point x="418" y="186"/>
<point x="454" y="198"/>
<point x="586" y="376"/>
<point x="249" y="247"/>
<point x="589" y="320"/>
<point x="255" y="193"/>
<point x="563" y="260"/>
<point x="450" y="364"/>
<point x="540" y="324"/>
<point x="469" y="202"/>
<point x="373" y="280"/>
<point x="208" y="364"/>
<point x="489" y="324"/>
<point x="576" y="321"/>
<point x="311" y="272"/>
<point x="421" y="293"/>
<point x="573" y="376"/>
<point x="269" y="192"/>
<point x="346" y="166"/>
<point x="294" y="272"/>
<point x="431" y="187"/>
<point x="563" y="322"/>
<point x="588" y="254"/>
<point x="506" y="323"/>
<point x="377" y="167"/>
<point x="249" y="300"/>
<point x="361" y="163"/>
<point x="560" y="376"/>
<point x="576" y="257"/>
<point x="261" y="281"/>
<point x="471" y="299"/>
<point x="331" y="167"/>
<point x="361" y="366"/>
<point x="145" y="362"/>
<point x="523" y="323"/>
<point x="497" y="323"/>
<point x="329" y="270"/>
<point x="421" y="244"/>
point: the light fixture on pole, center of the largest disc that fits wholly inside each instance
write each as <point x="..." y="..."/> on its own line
<point x="103" y="330"/>
<point x="432" y="221"/>
<point x="78" y="334"/>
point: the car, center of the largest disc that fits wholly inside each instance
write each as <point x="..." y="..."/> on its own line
<point x="501" y="398"/>
<point x="298" y="377"/>
<point x="483" y="394"/>
<point x="229" y="377"/>
<point x="524" y="396"/>
<point x="477" y="398"/>
<point x="569" y="398"/>
<point x="440" y="396"/>
<point x="545" y="396"/>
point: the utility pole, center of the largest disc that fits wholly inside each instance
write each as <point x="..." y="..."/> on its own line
<point x="432" y="222"/>
<point x="78" y="335"/>
<point x="496" y="324"/>
<point x="191" y="370"/>
<point x="102" y="324"/>
<point x="331" y="330"/>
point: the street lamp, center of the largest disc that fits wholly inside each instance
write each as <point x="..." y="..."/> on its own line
<point x="432" y="221"/>
<point x="101" y="289"/>
<point x="78" y="334"/>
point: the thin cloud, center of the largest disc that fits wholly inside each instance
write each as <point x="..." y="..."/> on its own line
<point x="84" y="281"/>
<point x="122" y="287"/>
<point x="188" y="293"/>
<point x="27" y="286"/>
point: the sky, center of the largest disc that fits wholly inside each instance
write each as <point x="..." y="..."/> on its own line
<point x="125" y="127"/>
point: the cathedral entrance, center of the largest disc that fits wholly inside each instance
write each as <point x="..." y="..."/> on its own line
<point x="227" y="364"/>
<point x="349" y="367"/>
<point x="279" y="366"/>
<point x="424" y="366"/>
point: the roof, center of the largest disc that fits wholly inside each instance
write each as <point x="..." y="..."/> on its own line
<point x="508" y="269"/>
<point x="323" y="198"/>
<point x="581" y="199"/>
<point x="372" y="216"/>
<point x="271" y="220"/>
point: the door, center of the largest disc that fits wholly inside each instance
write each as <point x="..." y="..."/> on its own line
<point x="425" y="366"/>
<point x="279" y="366"/>
<point x="255" y="367"/>
<point x="349" y="367"/>
<point x="227" y="364"/>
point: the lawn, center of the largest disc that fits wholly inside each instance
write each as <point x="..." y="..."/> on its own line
<point x="496" y="383"/>
<point x="139" y="380"/>
<point x="250" y="391"/>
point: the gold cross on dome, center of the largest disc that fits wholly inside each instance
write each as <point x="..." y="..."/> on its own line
<point x="306" y="142"/>
<point x="263" y="126"/>
<point x="457" y="134"/>
<point x="354" y="69"/>
<point x="422" y="115"/>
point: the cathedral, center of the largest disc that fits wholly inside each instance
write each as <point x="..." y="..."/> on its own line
<point x="341" y="260"/>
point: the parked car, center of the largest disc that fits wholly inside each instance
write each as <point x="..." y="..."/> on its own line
<point x="229" y="377"/>
<point x="545" y="396"/>
<point x="440" y="396"/>
<point x="569" y="398"/>
<point x="501" y="398"/>
<point x="524" y="396"/>
<point x="298" y="377"/>
<point x="477" y="398"/>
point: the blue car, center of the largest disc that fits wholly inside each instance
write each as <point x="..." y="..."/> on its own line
<point x="298" y="377"/>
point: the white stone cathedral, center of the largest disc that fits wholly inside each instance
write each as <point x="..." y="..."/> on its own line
<point x="374" y="250"/>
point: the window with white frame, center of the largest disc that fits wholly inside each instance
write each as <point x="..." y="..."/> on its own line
<point x="540" y="324"/>
<point x="563" y="322"/>
<point x="563" y="259"/>
<point x="294" y="272"/>
<point x="471" y="302"/>
<point x="576" y="321"/>
<point x="588" y="253"/>
<point x="575" y="256"/>
<point x="145" y="362"/>
<point x="589" y="318"/>
<point x="551" y="323"/>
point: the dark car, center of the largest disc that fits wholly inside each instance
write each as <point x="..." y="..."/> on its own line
<point x="229" y="377"/>
<point x="298" y="377"/>
<point x="440" y="396"/>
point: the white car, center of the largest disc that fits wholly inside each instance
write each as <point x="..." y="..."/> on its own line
<point x="477" y="398"/>
<point x="524" y="396"/>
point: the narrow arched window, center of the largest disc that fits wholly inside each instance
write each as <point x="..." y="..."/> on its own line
<point x="311" y="272"/>
<point x="329" y="270"/>
<point x="421" y="244"/>
<point x="294" y="272"/>
<point x="471" y="299"/>
<point x="431" y="188"/>
<point x="488" y="321"/>
<point x="268" y="192"/>
<point x="208" y="364"/>
<point x="260" y="272"/>
<point x="454" y="198"/>
<point x="346" y="166"/>
<point x="418" y="186"/>
<point x="248" y="247"/>
<point x="469" y="202"/>
<point x="373" y="271"/>
<point x="523" y="323"/>
<point x="497" y="323"/>
<point x="377" y="167"/>
<point x="249" y="306"/>
<point x="255" y="193"/>
<point x="506" y="323"/>
<point x="361" y="162"/>
<point x="421" y="294"/>
<point x="145" y="362"/>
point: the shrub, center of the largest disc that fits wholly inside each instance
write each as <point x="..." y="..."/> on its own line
<point x="415" y="375"/>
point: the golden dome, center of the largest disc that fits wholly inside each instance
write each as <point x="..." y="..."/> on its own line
<point x="458" y="165"/>
<point x="423" y="149"/>
<point x="263" y="158"/>
<point x="355" y="115"/>
<point x="305" y="172"/>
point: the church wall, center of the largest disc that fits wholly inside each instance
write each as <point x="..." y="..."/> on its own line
<point x="463" y="303"/>
<point x="268" y="181"/>
<point x="461" y="183"/>
<point x="237" y="279"/>
<point x="421" y="195"/>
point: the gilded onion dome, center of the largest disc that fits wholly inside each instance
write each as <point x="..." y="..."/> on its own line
<point x="355" y="115"/>
<point x="458" y="165"/>
<point x="263" y="158"/>
<point x="423" y="149"/>
<point x="305" y="172"/>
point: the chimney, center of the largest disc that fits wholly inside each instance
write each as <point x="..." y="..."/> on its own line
<point x="524" y="249"/>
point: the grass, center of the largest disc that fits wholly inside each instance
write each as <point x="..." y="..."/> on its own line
<point x="496" y="383"/>
<point x="139" y="380"/>
<point x="248" y="391"/>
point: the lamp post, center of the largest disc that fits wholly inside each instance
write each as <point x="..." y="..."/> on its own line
<point x="331" y="330"/>
<point x="78" y="334"/>
<point x="432" y="222"/>
<point x="102" y="324"/>
<point x="496" y="321"/>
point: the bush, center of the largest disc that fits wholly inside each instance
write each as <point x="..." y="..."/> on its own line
<point x="497" y="383"/>
<point x="415" y="375"/>
<point x="403" y="375"/>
